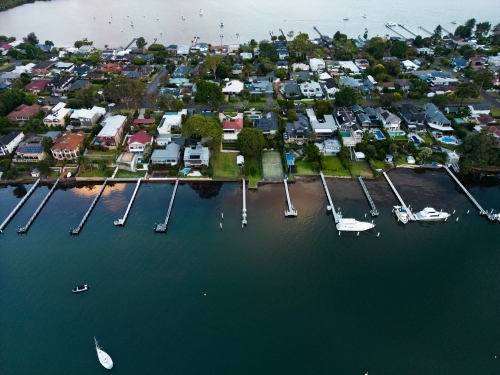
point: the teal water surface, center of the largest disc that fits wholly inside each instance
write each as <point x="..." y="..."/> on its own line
<point x="281" y="296"/>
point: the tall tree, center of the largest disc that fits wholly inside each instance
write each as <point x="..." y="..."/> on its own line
<point x="251" y="142"/>
<point x="399" y="49"/>
<point x="47" y="143"/>
<point x="212" y="62"/>
<point x="482" y="29"/>
<point x="346" y="96"/>
<point x="210" y="93"/>
<point x="267" y="50"/>
<point x="466" y="90"/>
<point x="203" y="127"/>
<point x="31" y="38"/>
<point x="123" y="89"/>
<point x="482" y="149"/>
<point x="141" y="43"/>
<point x="483" y="78"/>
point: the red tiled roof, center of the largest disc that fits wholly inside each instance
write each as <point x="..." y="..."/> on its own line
<point x="147" y="121"/>
<point x="6" y="46"/>
<point x="236" y="123"/>
<point x="24" y="111"/>
<point x="141" y="137"/>
<point x="69" y="141"/>
<point x="37" y="85"/>
<point x="492" y="129"/>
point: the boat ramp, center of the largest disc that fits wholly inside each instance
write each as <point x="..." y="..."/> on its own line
<point x="291" y="209"/>
<point x="76" y="231"/>
<point x="19" y="205"/>
<point x="373" y="211"/>
<point x="410" y="214"/>
<point x="489" y="214"/>
<point x="162" y="227"/>
<point x="122" y="220"/>
<point x="21" y="230"/>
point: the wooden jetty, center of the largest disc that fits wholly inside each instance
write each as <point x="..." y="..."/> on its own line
<point x="489" y="214"/>
<point x="244" y="211"/>
<point x="396" y="32"/>
<point x="410" y="214"/>
<point x="427" y="31"/>
<point x="21" y="230"/>
<point x="76" y="231"/>
<point x="373" y="211"/>
<point x="336" y="216"/>
<point x="128" y="45"/>
<point x="19" y="205"/>
<point x="122" y="220"/>
<point x="162" y="227"/>
<point x="291" y="209"/>
<point x="408" y="30"/>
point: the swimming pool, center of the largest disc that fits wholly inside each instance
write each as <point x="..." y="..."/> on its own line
<point x="346" y="134"/>
<point x="289" y="159"/>
<point x="254" y="117"/>
<point x="448" y="140"/>
<point x="415" y="139"/>
<point x="379" y="135"/>
<point x="396" y="133"/>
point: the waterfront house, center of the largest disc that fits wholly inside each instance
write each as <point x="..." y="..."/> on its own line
<point x="231" y="127"/>
<point x="127" y="161"/>
<point x="436" y="120"/>
<point x="111" y="134"/>
<point x="297" y="131"/>
<point x="138" y="142"/>
<point x="57" y="115"/>
<point x="196" y="156"/>
<point x="36" y="86"/>
<point x="330" y="147"/>
<point x="348" y="126"/>
<point x="30" y="152"/>
<point x="10" y="141"/>
<point x="268" y="124"/>
<point x="413" y="118"/>
<point x="389" y="120"/>
<point x="87" y="117"/>
<point x="170" y="155"/>
<point x="67" y="145"/>
<point x="23" y="112"/>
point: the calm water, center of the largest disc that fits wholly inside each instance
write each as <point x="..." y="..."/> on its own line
<point x="64" y="21"/>
<point x="282" y="295"/>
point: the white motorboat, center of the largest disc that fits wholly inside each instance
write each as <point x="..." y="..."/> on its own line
<point x="346" y="19"/>
<point x="182" y="17"/>
<point x="401" y="214"/>
<point x="364" y="16"/>
<point x="430" y="214"/>
<point x="221" y="24"/>
<point x="454" y="22"/>
<point x="200" y="12"/>
<point x="352" y="225"/>
<point x="390" y="24"/>
<point x="80" y="288"/>
<point x="104" y="358"/>
<point x="131" y="23"/>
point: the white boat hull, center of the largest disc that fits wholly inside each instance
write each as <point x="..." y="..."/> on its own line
<point x="430" y="214"/>
<point x="352" y="225"/>
<point x="105" y="359"/>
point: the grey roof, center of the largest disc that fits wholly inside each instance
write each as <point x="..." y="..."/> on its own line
<point x="290" y="87"/>
<point x="171" y="151"/>
<point x="267" y="123"/>
<point x="480" y="107"/>
<point x="432" y="114"/>
<point x="78" y="85"/>
<point x="299" y="128"/>
<point x="6" y="139"/>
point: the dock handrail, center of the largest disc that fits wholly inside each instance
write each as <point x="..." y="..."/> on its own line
<point x="122" y="220"/>
<point x="244" y="211"/>
<point x="77" y="230"/>
<point x="162" y="227"/>
<point x="35" y="214"/>
<point x="19" y="205"/>
<point x="291" y="209"/>
<point x="336" y="216"/>
<point x="373" y="211"/>
<point x="469" y="195"/>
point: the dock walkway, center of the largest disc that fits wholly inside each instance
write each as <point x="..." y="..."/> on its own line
<point x="24" y="229"/>
<point x="244" y="211"/>
<point x="162" y="227"/>
<point x="410" y="214"/>
<point x="411" y="32"/>
<point x="396" y="32"/>
<point x="373" y="211"/>
<point x="291" y="209"/>
<point x="75" y="231"/>
<point x="427" y="31"/>
<point x="19" y="205"/>
<point x="490" y="215"/>
<point x="336" y="216"/>
<point x="122" y="220"/>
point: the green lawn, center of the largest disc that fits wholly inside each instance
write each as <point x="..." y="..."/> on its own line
<point x="360" y="168"/>
<point x="224" y="165"/>
<point x="96" y="172"/>
<point x="378" y="164"/>
<point x="333" y="167"/>
<point x="253" y="180"/>
<point x="495" y="111"/>
<point x="400" y="138"/>
<point x="427" y="138"/>
<point x="111" y="153"/>
<point x="128" y="174"/>
<point x="400" y="160"/>
<point x="304" y="167"/>
<point x="7" y="67"/>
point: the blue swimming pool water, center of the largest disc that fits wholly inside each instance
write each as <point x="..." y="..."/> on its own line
<point x="395" y="133"/>
<point x="449" y="140"/>
<point x="378" y="134"/>
<point x="289" y="158"/>
<point x="346" y="134"/>
<point x="415" y="139"/>
<point x="254" y="117"/>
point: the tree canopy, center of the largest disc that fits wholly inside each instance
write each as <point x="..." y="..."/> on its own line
<point x="482" y="149"/>
<point x="141" y="42"/>
<point x="212" y="62"/>
<point x="123" y="89"/>
<point x="251" y="142"/>
<point x="346" y="96"/>
<point x="466" y="90"/>
<point x="198" y="126"/>
<point x="31" y="38"/>
<point x="210" y="93"/>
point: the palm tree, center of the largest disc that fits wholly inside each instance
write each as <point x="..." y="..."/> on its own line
<point x="82" y="162"/>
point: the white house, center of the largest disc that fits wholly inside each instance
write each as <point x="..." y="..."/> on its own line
<point x="246" y="56"/>
<point x="196" y="156"/>
<point x="409" y="65"/>
<point x="139" y="141"/>
<point x="330" y="147"/>
<point x="10" y="141"/>
<point x="316" y="64"/>
<point x="425" y="51"/>
<point x="171" y="120"/>
<point x="300" y="66"/>
<point x="183" y="50"/>
<point x="350" y="65"/>
<point x="233" y="87"/>
<point x="57" y="115"/>
<point x="479" y="109"/>
<point x="87" y="117"/>
<point x="311" y="89"/>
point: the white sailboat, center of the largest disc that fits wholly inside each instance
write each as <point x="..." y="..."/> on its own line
<point x="200" y="12"/>
<point x="157" y="18"/>
<point x="182" y="17"/>
<point x="104" y="358"/>
<point x="364" y="16"/>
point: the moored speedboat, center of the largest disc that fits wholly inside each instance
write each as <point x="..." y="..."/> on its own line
<point x="390" y="24"/>
<point x="401" y="214"/>
<point x="81" y="288"/>
<point x="454" y="22"/>
<point x="430" y="214"/>
<point x="104" y="358"/>
<point x="364" y="16"/>
<point x="346" y="19"/>
<point x="352" y="225"/>
<point x="200" y="12"/>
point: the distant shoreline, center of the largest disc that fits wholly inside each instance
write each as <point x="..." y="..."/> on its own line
<point x="6" y="4"/>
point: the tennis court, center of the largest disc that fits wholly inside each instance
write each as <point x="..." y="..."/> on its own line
<point x="272" y="168"/>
